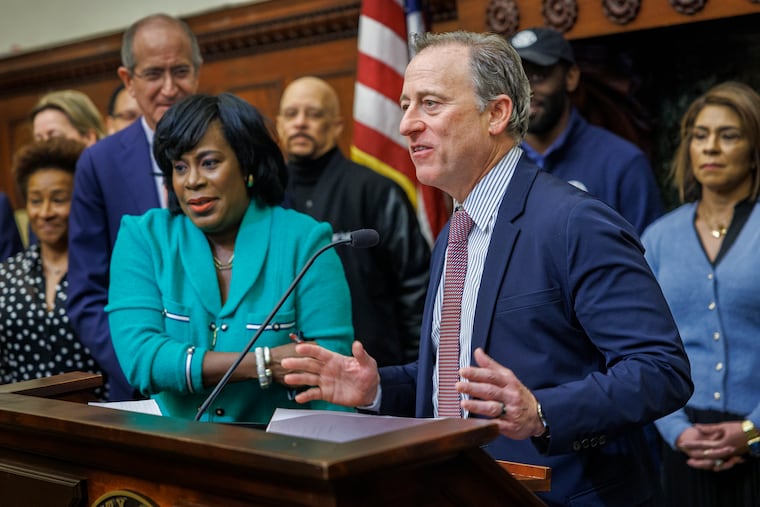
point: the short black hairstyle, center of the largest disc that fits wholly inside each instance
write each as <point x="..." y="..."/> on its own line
<point x="112" y="100"/>
<point x="54" y="153"/>
<point x="248" y="132"/>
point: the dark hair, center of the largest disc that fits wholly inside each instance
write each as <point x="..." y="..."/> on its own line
<point x="745" y="102"/>
<point x="127" y="41"/>
<point x="114" y="96"/>
<point x="245" y="129"/>
<point x="54" y="153"/>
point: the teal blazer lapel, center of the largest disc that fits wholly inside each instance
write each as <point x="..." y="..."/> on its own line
<point x="251" y="249"/>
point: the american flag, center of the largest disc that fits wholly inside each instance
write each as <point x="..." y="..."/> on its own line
<point x="384" y="30"/>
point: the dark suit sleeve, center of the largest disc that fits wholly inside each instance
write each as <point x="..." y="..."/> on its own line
<point x="89" y="258"/>
<point x="10" y="241"/>
<point x="398" y="384"/>
<point x="644" y="372"/>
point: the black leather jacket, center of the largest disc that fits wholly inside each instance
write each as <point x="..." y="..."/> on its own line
<point x="388" y="282"/>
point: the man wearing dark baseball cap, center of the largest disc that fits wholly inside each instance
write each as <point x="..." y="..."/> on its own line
<point x="543" y="46"/>
<point x="562" y="142"/>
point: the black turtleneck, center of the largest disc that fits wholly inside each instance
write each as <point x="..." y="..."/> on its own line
<point x="304" y="175"/>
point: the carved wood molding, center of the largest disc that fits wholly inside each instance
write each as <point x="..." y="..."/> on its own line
<point x="263" y="27"/>
<point x="688" y="7"/>
<point x="560" y="14"/>
<point x="621" y="12"/>
<point x="503" y="17"/>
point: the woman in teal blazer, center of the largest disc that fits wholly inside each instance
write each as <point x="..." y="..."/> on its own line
<point x="191" y="284"/>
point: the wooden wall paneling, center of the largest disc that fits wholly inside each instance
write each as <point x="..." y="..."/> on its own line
<point x="257" y="49"/>
<point x="260" y="78"/>
<point x="589" y="15"/>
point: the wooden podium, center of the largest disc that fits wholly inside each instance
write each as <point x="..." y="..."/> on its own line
<point x="55" y="452"/>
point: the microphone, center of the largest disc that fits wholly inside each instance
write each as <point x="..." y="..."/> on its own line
<point x="361" y="238"/>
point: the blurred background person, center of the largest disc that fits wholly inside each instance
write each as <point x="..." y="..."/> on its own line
<point x="192" y="283"/>
<point x="560" y="141"/>
<point x="388" y="283"/>
<point x="36" y="339"/>
<point x="67" y="113"/>
<point x="161" y="64"/>
<point x="704" y="256"/>
<point x="10" y="240"/>
<point x="122" y="110"/>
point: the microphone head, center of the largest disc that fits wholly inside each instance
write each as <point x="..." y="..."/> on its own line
<point x="364" y="238"/>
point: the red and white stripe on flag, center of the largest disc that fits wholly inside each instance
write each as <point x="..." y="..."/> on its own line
<point x="383" y="55"/>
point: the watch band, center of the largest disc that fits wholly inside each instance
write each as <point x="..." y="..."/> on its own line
<point x="541" y="417"/>
<point x="749" y="429"/>
<point x="753" y="438"/>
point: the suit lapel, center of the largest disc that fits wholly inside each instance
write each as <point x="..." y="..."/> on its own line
<point x="195" y="255"/>
<point x="251" y="249"/>
<point x="503" y="240"/>
<point x="426" y="360"/>
<point x="135" y="168"/>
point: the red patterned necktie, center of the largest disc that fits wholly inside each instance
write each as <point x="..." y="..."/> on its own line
<point x="451" y="311"/>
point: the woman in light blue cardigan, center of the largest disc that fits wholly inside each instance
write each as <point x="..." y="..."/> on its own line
<point x="704" y="255"/>
<point x="191" y="284"/>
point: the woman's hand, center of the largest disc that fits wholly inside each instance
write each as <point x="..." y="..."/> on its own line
<point x="713" y="446"/>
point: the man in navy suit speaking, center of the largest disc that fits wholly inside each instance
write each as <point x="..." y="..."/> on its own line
<point x="563" y="335"/>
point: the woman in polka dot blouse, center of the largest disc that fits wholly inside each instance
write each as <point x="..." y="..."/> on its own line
<point x="36" y="339"/>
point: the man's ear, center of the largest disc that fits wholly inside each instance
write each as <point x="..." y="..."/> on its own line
<point x="337" y="127"/>
<point x="572" y="78"/>
<point x="126" y="78"/>
<point x="500" y="112"/>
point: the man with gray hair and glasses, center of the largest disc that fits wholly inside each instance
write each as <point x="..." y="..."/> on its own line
<point x="118" y="176"/>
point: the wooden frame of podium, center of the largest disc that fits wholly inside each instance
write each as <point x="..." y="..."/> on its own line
<point x="54" y="451"/>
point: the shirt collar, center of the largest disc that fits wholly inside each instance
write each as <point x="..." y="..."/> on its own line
<point x="483" y="202"/>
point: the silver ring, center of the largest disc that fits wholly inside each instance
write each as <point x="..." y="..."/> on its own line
<point x="503" y="409"/>
<point x="718" y="462"/>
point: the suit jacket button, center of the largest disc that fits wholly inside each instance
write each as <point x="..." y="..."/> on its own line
<point x="602" y="440"/>
<point x="594" y="442"/>
<point x="576" y="446"/>
<point x="584" y="443"/>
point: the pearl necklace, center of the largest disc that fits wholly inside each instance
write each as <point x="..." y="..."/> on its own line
<point x="223" y="266"/>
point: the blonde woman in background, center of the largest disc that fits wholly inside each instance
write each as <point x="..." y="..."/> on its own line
<point x="67" y="113"/>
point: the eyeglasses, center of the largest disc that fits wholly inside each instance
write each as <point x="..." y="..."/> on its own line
<point x="126" y="115"/>
<point x="158" y="74"/>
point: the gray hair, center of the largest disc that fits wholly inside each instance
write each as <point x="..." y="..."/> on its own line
<point x="128" y="40"/>
<point x="496" y="70"/>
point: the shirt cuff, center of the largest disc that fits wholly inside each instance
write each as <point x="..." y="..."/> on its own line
<point x="375" y="405"/>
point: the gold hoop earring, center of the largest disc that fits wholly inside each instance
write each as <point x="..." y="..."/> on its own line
<point x="249" y="181"/>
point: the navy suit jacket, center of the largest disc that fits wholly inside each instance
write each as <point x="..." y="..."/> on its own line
<point x="10" y="241"/>
<point x="114" y="177"/>
<point x="567" y="302"/>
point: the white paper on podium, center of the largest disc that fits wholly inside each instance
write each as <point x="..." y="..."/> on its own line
<point x="332" y="426"/>
<point x="142" y="406"/>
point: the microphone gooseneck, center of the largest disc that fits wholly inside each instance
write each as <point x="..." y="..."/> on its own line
<point x="361" y="238"/>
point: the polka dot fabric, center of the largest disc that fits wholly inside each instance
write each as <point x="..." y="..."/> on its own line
<point x="35" y="342"/>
